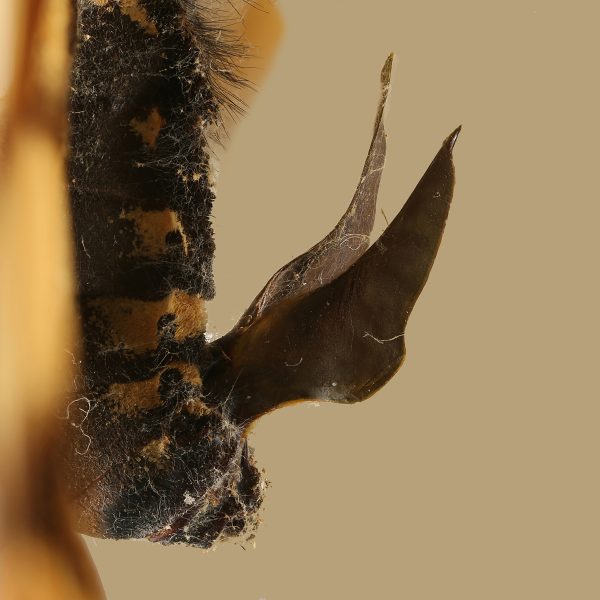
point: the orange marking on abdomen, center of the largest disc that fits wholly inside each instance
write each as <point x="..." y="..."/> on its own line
<point x="138" y="14"/>
<point x="133" y="324"/>
<point x="152" y="228"/>
<point x="130" y="398"/>
<point x="149" y="128"/>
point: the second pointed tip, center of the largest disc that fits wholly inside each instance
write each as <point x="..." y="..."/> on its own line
<point x="451" y="139"/>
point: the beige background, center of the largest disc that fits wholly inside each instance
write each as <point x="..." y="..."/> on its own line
<point x="474" y="473"/>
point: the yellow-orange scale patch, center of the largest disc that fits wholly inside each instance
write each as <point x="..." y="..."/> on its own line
<point x="149" y="128"/>
<point x="131" y="398"/>
<point x="152" y="228"/>
<point x="134" y="11"/>
<point x="134" y="324"/>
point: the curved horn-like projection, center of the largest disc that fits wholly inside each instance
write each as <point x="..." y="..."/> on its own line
<point x="341" y="341"/>
<point x="346" y="242"/>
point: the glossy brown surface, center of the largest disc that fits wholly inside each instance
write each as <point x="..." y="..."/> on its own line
<point x="344" y="339"/>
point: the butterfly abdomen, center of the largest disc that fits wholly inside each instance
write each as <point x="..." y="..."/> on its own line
<point x="144" y="101"/>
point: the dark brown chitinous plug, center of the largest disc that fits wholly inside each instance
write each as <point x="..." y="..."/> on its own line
<point x="329" y="325"/>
